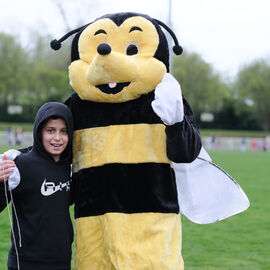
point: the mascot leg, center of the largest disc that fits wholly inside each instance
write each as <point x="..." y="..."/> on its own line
<point x="116" y="241"/>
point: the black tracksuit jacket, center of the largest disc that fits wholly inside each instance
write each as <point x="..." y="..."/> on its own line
<point x="42" y="201"/>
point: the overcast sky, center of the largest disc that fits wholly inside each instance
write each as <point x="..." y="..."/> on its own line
<point x="226" y="33"/>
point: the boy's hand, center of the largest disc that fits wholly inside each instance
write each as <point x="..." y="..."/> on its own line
<point x="168" y="103"/>
<point x="6" y="168"/>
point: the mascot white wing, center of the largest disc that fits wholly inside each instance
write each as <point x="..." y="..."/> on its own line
<point x="206" y="193"/>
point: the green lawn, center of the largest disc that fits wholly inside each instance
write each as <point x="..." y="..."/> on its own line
<point x="234" y="133"/>
<point x="241" y="242"/>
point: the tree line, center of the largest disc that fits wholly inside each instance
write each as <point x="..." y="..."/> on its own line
<point x="243" y="103"/>
<point x="33" y="74"/>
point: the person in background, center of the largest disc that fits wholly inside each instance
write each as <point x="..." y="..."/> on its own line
<point x="10" y="136"/>
<point x="18" y="136"/>
<point x="243" y="145"/>
<point x="40" y="187"/>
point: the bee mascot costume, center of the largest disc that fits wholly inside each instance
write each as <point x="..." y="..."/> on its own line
<point x="131" y="123"/>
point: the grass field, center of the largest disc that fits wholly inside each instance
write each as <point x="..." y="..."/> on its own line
<point x="241" y="242"/>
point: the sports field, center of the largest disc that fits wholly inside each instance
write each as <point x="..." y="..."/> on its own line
<point x="241" y="242"/>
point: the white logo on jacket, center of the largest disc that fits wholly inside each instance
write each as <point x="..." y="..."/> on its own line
<point x="49" y="188"/>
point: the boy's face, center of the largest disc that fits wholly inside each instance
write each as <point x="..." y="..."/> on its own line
<point x="55" y="137"/>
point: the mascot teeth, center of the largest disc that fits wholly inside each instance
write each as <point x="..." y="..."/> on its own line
<point x="112" y="84"/>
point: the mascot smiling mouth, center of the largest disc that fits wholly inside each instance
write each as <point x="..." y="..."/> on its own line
<point x="112" y="88"/>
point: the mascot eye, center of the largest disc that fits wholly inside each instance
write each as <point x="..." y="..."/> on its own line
<point x="132" y="48"/>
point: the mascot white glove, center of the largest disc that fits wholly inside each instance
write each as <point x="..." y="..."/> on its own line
<point x="168" y="102"/>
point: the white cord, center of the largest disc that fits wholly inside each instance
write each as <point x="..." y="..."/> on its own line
<point x="10" y="220"/>
<point x="15" y="213"/>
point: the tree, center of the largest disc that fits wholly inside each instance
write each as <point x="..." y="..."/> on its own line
<point x="47" y="74"/>
<point x="13" y="66"/>
<point x="34" y="75"/>
<point x="39" y="50"/>
<point x="203" y="88"/>
<point x="31" y="76"/>
<point x="229" y="117"/>
<point x="253" y="91"/>
<point x="76" y="13"/>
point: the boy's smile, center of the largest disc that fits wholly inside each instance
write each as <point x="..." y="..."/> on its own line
<point x="55" y="137"/>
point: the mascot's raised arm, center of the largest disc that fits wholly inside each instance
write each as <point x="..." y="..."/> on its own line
<point x="134" y="139"/>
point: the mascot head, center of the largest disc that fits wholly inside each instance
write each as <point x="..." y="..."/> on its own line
<point x="118" y="57"/>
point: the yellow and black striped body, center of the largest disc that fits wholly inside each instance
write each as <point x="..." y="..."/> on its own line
<point x="126" y="205"/>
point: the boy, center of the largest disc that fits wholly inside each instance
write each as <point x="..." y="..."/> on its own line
<point x="43" y="233"/>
